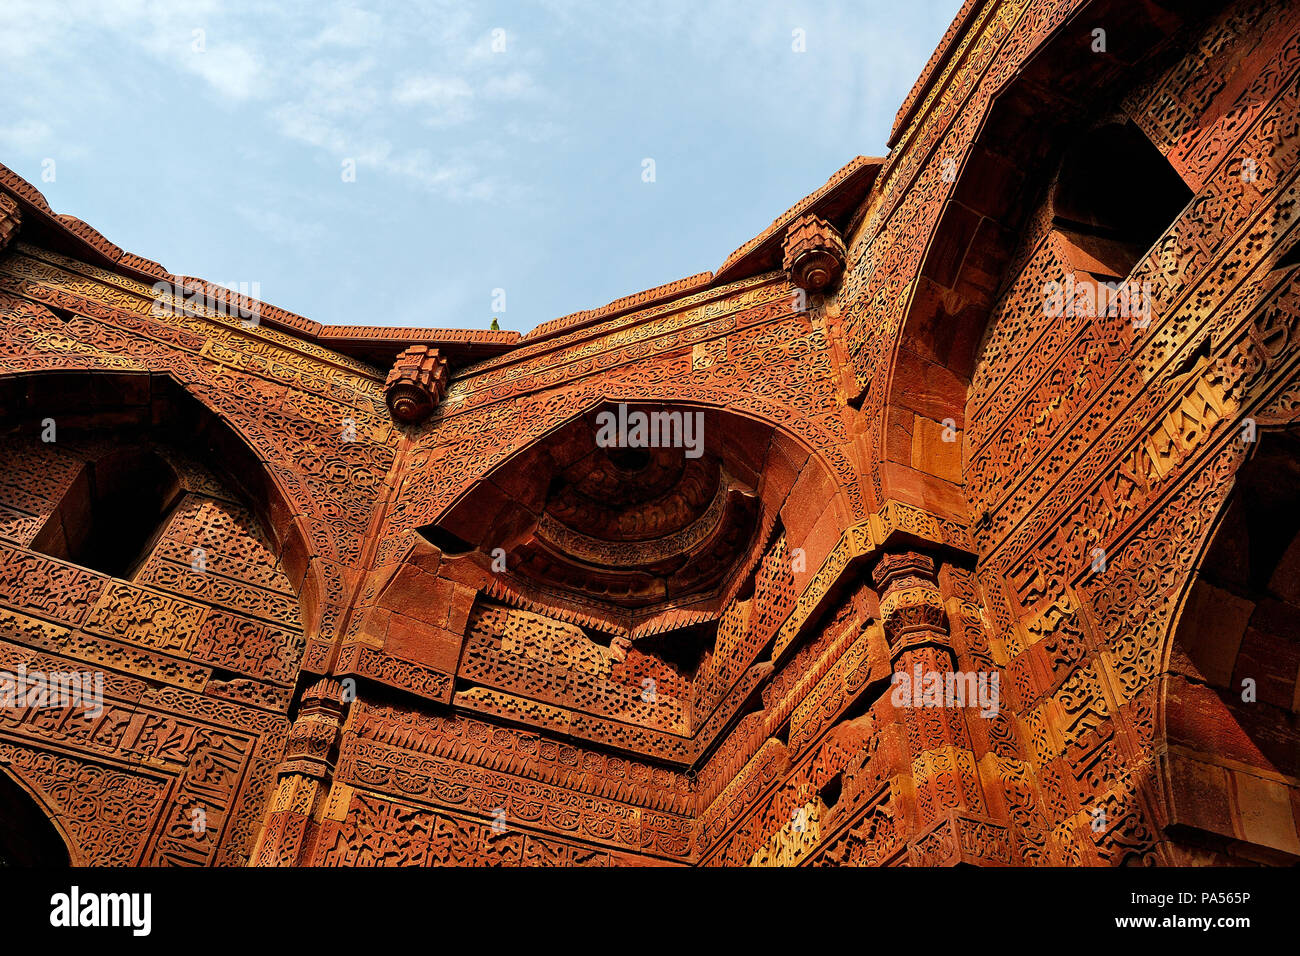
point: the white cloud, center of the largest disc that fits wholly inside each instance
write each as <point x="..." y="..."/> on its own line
<point x="443" y="100"/>
<point x="511" y="86"/>
<point x="299" y="122"/>
<point x="329" y="76"/>
<point x="279" y="226"/>
<point x="453" y="178"/>
<point x="351" y="27"/>
<point x="26" y="136"/>
<point x="233" y="71"/>
<point x="533" y="131"/>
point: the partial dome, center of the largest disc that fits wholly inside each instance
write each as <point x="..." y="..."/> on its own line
<point x="656" y="519"/>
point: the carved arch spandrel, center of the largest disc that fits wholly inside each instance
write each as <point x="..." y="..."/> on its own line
<point x="780" y="371"/>
<point x="926" y="265"/>
<point x="1228" y="687"/>
<point x="53" y="819"/>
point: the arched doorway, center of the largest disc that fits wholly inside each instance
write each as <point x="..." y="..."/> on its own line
<point x="1231" y="708"/>
<point x="27" y="837"/>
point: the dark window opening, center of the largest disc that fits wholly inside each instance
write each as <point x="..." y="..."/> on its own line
<point x="1242" y="615"/>
<point x="1115" y="196"/>
<point x="1261" y="526"/>
<point x="1291" y="259"/>
<point x="830" y="794"/>
<point x="112" y="512"/>
<point x="446" y="542"/>
<point x="683" y="649"/>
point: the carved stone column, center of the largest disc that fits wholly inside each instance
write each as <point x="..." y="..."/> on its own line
<point x="951" y="821"/>
<point x="303" y="777"/>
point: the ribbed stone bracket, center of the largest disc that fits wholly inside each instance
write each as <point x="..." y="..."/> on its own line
<point x="416" y="384"/>
<point x="814" y="253"/>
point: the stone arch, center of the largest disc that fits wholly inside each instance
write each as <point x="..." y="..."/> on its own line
<point x="1017" y="150"/>
<point x="1084" y="651"/>
<point x="30" y="831"/>
<point x="770" y="457"/>
<point x="1230" y="676"/>
<point x="447" y="626"/>
<point x="159" y="404"/>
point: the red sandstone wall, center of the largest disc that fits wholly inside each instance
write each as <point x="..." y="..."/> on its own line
<point x="1127" y="441"/>
<point x="198" y="666"/>
<point x="930" y="460"/>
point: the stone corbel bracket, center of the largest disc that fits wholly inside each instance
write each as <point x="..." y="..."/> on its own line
<point x="416" y="384"/>
<point x="814" y="253"/>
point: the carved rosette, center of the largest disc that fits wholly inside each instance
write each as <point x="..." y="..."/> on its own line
<point x="11" y="220"/>
<point x="911" y="605"/>
<point x="416" y="384"/>
<point x="814" y="253"/>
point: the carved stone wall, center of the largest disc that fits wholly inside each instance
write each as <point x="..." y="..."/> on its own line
<point x="926" y="595"/>
<point x="1101" y="445"/>
<point x="197" y="650"/>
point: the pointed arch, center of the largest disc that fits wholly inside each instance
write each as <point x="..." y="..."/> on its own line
<point x="30" y="834"/>
<point x="760" y="461"/>
<point x="158" y="405"/>
<point x="1230" y="676"/>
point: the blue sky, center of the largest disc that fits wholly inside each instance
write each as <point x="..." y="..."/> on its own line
<point x="214" y="138"/>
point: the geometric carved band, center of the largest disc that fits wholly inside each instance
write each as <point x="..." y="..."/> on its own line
<point x="11" y="220"/>
<point x="897" y="525"/>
